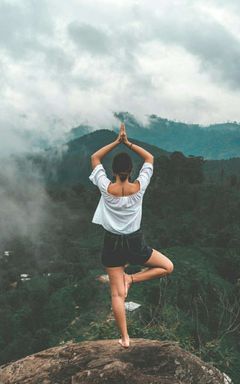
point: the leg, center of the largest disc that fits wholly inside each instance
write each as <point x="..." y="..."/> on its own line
<point x="159" y="265"/>
<point x="118" y="301"/>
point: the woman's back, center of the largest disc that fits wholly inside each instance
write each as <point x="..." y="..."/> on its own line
<point x="128" y="189"/>
<point x="116" y="213"/>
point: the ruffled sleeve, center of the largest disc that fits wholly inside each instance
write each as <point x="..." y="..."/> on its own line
<point x="99" y="178"/>
<point x="145" y="175"/>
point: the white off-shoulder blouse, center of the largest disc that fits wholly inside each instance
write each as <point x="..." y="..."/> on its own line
<point x="120" y="214"/>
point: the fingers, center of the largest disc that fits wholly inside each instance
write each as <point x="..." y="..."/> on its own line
<point x="122" y="133"/>
<point x="122" y="127"/>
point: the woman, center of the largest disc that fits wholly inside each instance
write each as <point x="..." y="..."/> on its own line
<point x="119" y="211"/>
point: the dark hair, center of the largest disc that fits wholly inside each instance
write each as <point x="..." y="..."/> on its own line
<point x="122" y="165"/>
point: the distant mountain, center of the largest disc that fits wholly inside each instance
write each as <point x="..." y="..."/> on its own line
<point x="70" y="163"/>
<point x="216" y="141"/>
<point x="78" y="131"/>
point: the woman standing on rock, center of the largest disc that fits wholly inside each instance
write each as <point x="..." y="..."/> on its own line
<point x="119" y="211"/>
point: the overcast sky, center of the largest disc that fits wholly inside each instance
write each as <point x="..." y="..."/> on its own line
<point x="63" y="63"/>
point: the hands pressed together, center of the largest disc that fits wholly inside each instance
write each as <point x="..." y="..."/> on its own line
<point x="122" y="136"/>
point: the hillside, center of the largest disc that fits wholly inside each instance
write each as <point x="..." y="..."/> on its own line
<point x="50" y="257"/>
<point x="221" y="171"/>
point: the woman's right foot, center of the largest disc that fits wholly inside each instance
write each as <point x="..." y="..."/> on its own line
<point x="124" y="342"/>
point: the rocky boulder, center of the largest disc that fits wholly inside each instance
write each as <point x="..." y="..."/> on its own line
<point x="106" y="361"/>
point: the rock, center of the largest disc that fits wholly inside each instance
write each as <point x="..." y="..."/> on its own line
<point x="106" y="361"/>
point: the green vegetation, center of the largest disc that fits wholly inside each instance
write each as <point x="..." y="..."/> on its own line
<point x="193" y="222"/>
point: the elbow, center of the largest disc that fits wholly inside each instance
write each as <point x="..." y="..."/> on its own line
<point x="150" y="159"/>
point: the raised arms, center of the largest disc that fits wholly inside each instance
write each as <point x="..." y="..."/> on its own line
<point x="100" y="153"/>
<point x="148" y="157"/>
<point x="122" y="138"/>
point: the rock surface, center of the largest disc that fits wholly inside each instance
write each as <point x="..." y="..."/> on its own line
<point x="106" y="361"/>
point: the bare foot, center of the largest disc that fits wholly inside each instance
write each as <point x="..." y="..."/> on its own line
<point x="127" y="282"/>
<point x="124" y="342"/>
<point x="103" y="278"/>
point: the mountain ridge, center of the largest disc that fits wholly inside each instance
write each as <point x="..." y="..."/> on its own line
<point x="213" y="141"/>
<point x="71" y="165"/>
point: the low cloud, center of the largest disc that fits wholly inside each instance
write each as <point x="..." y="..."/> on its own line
<point x="24" y="204"/>
<point x="89" y="38"/>
<point x="66" y="63"/>
<point x="217" y="48"/>
<point x="22" y="26"/>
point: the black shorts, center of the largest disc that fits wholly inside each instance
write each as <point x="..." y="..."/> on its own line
<point x="119" y="250"/>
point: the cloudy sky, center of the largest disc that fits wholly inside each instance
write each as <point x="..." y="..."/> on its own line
<point x="63" y="63"/>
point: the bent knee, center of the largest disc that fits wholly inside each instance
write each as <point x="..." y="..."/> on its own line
<point x="170" y="267"/>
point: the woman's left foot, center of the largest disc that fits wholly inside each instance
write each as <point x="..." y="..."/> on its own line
<point x="127" y="282"/>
